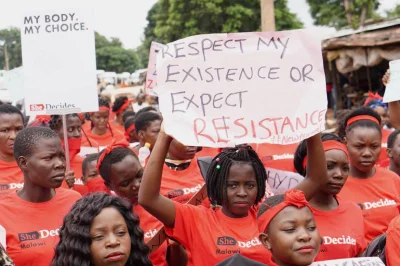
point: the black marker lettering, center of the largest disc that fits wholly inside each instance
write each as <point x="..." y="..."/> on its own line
<point x="217" y="45"/>
<point x="228" y="74"/>
<point x="271" y="72"/>
<point x="284" y="45"/>
<point x="171" y="74"/>
<point x="194" y="48"/>
<point x="305" y="74"/>
<point x="203" y="103"/>
<point x="204" y="48"/>
<point x="259" y="70"/>
<point x="177" y="49"/>
<point x="216" y="100"/>
<point x="165" y="52"/>
<point x="188" y="74"/>
<point x="241" y="46"/>
<point x="271" y="41"/>
<point x="212" y="77"/>
<point x="218" y="69"/>
<point x="244" y="72"/>
<point x="173" y="102"/>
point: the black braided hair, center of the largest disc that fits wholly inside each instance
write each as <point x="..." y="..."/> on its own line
<point x="301" y="152"/>
<point x="115" y="156"/>
<point x="343" y="129"/>
<point x="75" y="240"/>
<point x="392" y="138"/>
<point x="118" y="103"/>
<point x="127" y="115"/>
<point x="217" y="178"/>
<point x="270" y="203"/>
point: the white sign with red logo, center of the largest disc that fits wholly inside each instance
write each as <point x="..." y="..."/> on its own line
<point x="219" y="90"/>
<point x="353" y="262"/>
<point x="59" y="60"/>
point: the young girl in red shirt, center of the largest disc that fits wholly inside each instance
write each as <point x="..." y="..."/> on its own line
<point x="33" y="215"/>
<point x="339" y="222"/>
<point x="120" y="106"/>
<point x="236" y="182"/>
<point x="101" y="230"/>
<point x="375" y="189"/>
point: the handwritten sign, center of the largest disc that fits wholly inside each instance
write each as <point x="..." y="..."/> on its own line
<point x="59" y="60"/>
<point x="392" y="92"/>
<point x="151" y="78"/>
<point x="279" y="181"/>
<point x="219" y="90"/>
<point x="370" y="261"/>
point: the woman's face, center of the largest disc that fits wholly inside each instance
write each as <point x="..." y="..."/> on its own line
<point x="364" y="146"/>
<point x="111" y="242"/>
<point x="292" y="237"/>
<point x="90" y="172"/>
<point x="338" y="170"/>
<point x="178" y="151"/>
<point x="383" y="113"/>
<point x="241" y="190"/>
<point x="10" y="125"/>
<point x="100" y="119"/>
<point x="74" y="128"/>
<point x="126" y="177"/>
<point x="151" y="133"/>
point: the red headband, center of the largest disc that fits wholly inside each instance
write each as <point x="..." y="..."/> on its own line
<point x="293" y="197"/>
<point x="124" y="106"/>
<point x="102" y="108"/>
<point x="41" y="119"/>
<point x="362" y="117"/>
<point x="109" y="149"/>
<point x="128" y="131"/>
<point x="330" y="145"/>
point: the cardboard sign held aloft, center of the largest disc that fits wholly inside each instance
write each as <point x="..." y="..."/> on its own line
<point x="220" y="90"/>
<point x="392" y="92"/>
<point x="59" y="59"/>
<point x="151" y="78"/>
<point x="370" y="261"/>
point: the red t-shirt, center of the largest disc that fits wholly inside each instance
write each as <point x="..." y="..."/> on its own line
<point x="88" y="142"/>
<point x="342" y="230"/>
<point x="150" y="226"/>
<point x="210" y="236"/>
<point x="96" y="184"/>
<point x="378" y="196"/>
<point x="11" y="177"/>
<point x="106" y="139"/>
<point x="32" y="228"/>
<point x="118" y="127"/>
<point x="180" y="186"/>
<point x="276" y="156"/>
<point x="393" y="243"/>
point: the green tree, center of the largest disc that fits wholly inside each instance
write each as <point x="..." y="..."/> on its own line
<point x="170" y="20"/>
<point x="394" y="13"/>
<point x="341" y="13"/>
<point x="116" y="59"/>
<point x="12" y="38"/>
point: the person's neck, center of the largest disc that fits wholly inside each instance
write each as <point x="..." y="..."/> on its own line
<point x="98" y="132"/>
<point x="35" y="194"/>
<point x="324" y="202"/>
<point x="355" y="172"/>
<point x="394" y="168"/>
<point x="7" y="157"/>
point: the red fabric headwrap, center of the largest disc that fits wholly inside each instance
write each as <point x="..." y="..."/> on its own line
<point x="41" y="119"/>
<point x="293" y="197"/>
<point x="124" y="106"/>
<point x="330" y="145"/>
<point x="110" y="148"/>
<point x="362" y="117"/>
<point x="128" y="131"/>
<point x="371" y="97"/>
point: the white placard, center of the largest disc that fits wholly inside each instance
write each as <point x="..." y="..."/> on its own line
<point x="219" y="90"/>
<point x="279" y="181"/>
<point x="151" y="78"/>
<point x="14" y="83"/>
<point x="59" y="60"/>
<point x="392" y="91"/>
<point x="370" y="261"/>
<point x="87" y="150"/>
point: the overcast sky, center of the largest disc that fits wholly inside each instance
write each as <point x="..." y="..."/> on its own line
<point x="124" y="19"/>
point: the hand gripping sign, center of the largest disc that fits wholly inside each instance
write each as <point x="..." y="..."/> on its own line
<point x="219" y="90"/>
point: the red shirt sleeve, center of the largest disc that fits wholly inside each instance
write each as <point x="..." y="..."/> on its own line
<point x="393" y="243"/>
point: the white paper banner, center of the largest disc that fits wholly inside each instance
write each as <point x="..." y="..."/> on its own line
<point x="392" y="91"/>
<point x="59" y="59"/>
<point x="151" y="79"/>
<point x="370" y="261"/>
<point x="219" y="90"/>
<point x="279" y="181"/>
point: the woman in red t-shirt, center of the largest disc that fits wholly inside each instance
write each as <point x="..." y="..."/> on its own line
<point x="122" y="173"/>
<point x="120" y="106"/>
<point x="101" y="130"/>
<point x="101" y="230"/>
<point x="393" y="152"/>
<point x="11" y="122"/>
<point x="33" y="215"/>
<point x="236" y="182"/>
<point x="339" y="222"/>
<point x="288" y="229"/>
<point x="375" y="189"/>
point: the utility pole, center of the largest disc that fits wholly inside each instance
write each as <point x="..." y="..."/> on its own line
<point x="267" y="15"/>
<point x="7" y="67"/>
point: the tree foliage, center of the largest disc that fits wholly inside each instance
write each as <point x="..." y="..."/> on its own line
<point x="333" y="12"/>
<point x="12" y="38"/>
<point x="169" y="20"/>
<point x="394" y="13"/>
